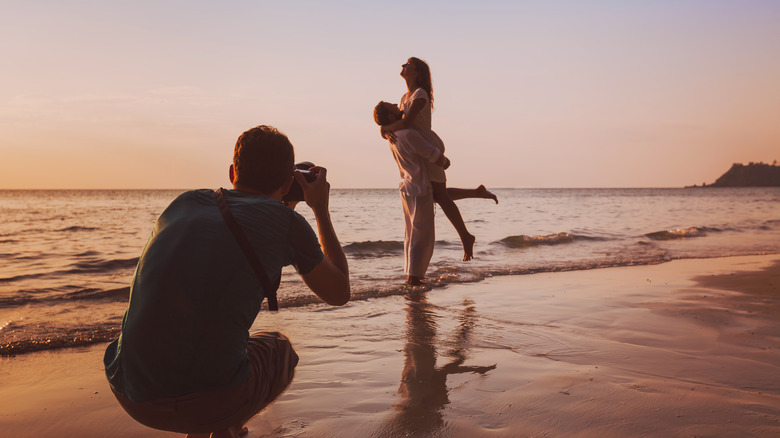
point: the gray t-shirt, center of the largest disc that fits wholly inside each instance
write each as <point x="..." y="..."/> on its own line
<point x="194" y="295"/>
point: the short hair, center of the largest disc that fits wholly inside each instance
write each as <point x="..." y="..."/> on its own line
<point x="263" y="159"/>
<point x="381" y="116"/>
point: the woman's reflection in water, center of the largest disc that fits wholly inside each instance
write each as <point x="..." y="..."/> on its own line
<point x="423" y="387"/>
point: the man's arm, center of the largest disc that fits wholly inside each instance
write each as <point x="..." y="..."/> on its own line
<point x="329" y="280"/>
<point x="406" y="121"/>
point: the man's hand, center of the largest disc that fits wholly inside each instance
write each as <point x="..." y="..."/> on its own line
<point x="315" y="193"/>
<point x="386" y="133"/>
<point x="443" y="162"/>
<point x="329" y="279"/>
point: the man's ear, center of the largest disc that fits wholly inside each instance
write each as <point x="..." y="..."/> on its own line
<point x="232" y="174"/>
<point x="287" y="184"/>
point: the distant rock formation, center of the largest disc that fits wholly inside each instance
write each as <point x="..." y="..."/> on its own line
<point x="752" y="175"/>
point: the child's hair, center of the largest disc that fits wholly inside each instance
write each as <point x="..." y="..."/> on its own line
<point x="424" y="80"/>
<point x="381" y="116"/>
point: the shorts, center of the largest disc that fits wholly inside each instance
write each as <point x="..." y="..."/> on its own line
<point x="435" y="173"/>
<point x="273" y="362"/>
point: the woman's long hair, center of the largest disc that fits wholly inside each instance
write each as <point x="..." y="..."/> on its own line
<point x="424" y="80"/>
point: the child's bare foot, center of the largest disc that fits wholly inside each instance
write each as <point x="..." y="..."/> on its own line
<point x="468" y="247"/>
<point x="484" y="193"/>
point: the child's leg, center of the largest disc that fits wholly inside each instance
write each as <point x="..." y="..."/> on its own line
<point x="442" y="198"/>
<point x="480" y="192"/>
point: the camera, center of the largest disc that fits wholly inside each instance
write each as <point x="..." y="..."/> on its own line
<point x="295" y="194"/>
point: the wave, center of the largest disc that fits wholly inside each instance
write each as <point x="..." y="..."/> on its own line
<point x="21" y="277"/>
<point x="77" y="228"/>
<point x="90" y="267"/>
<point x="28" y="231"/>
<point x="681" y="233"/>
<point x="439" y="278"/>
<point x="118" y="294"/>
<point x="102" y="265"/>
<point x="72" y="337"/>
<point x="25" y="231"/>
<point x="374" y="248"/>
<point x="523" y="241"/>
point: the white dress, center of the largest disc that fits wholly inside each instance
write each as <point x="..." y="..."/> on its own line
<point x="422" y="123"/>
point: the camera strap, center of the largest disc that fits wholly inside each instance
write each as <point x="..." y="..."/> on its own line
<point x="246" y="248"/>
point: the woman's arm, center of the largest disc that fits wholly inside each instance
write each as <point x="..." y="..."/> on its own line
<point x="408" y="118"/>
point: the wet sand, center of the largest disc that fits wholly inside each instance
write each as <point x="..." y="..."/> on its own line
<point x="686" y="348"/>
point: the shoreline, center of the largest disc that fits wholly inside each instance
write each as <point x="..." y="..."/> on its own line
<point x="669" y="349"/>
<point x="91" y="336"/>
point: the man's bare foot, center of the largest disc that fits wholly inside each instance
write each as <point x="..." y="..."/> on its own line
<point x="231" y="432"/>
<point x="415" y="281"/>
<point x="484" y="193"/>
<point x="468" y="247"/>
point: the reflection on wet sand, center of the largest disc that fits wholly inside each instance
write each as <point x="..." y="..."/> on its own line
<point x="423" y="387"/>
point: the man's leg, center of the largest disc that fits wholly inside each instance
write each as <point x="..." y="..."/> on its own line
<point x="273" y="367"/>
<point x="420" y="235"/>
<point x="407" y="233"/>
<point x="272" y="361"/>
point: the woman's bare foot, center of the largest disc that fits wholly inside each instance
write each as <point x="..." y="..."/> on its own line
<point x="484" y="193"/>
<point x="468" y="247"/>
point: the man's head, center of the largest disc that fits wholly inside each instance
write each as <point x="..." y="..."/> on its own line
<point x="386" y="113"/>
<point x="263" y="159"/>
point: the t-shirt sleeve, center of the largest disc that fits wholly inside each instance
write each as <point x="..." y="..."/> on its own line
<point x="307" y="253"/>
<point x="419" y="94"/>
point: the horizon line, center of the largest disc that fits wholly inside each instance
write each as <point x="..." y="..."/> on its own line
<point x="356" y="188"/>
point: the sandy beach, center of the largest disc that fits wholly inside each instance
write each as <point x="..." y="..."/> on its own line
<point x="685" y="348"/>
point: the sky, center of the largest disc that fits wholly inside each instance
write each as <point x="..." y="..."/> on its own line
<point x="528" y="94"/>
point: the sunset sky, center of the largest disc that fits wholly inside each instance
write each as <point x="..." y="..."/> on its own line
<point x="153" y="94"/>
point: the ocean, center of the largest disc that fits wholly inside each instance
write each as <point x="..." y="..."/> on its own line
<point x="68" y="255"/>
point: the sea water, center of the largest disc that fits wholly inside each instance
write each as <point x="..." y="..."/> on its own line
<point x="67" y="257"/>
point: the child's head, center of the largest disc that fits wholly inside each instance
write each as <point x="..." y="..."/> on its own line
<point x="386" y="113"/>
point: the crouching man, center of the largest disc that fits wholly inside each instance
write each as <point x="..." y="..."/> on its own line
<point x="185" y="361"/>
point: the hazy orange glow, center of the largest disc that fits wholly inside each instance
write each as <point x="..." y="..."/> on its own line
<point x="528" y="95"/>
